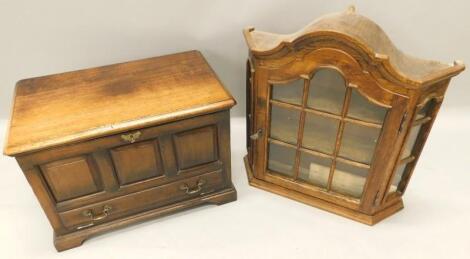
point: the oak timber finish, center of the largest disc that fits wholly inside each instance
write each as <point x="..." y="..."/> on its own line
<point x="319" y="203"/>
<point x="367" y="35"/>
<point x="137" y="162"/>
<point x="337" y="115"/>
<point x="106" y="147"/>
<point x="74" y="106"/>
<point x="71" y="178"/>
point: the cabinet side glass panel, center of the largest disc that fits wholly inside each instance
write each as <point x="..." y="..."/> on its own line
<point x="423" y="112"/>
<point x="398" y="175"/>
<point x="415" y="130"/>
<point x="410" y="141"/>
<point x="401" y="174"/>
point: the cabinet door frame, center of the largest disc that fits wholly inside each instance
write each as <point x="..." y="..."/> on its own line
<point x="356" y="78"/>
<point x="250" y="108"/>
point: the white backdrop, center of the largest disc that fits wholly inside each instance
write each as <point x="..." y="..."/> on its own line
<point x="44" y="37"/>
<point x="47" y="36"/>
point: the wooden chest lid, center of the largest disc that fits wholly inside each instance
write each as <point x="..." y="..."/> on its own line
<point x="75" y="106"/>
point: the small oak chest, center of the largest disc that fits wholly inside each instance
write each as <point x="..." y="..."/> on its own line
<point x="106" y="147"/>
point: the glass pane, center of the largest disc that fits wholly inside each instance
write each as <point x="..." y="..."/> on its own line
<point x="358" y="142"/>
<point x="349" y="180"/>
<point x="314" y="169"/>
<point x="326" y="92"/>
<point x="410" y="142"/>
<point x="290" y="92"/>
<point x="281" y="159"/>
<point x="363" y="109"/>
<point x="284" y="124"/>
<point x="397" y="178"/>
<point x="320" y="133"/>
<point x="424" y="111"/>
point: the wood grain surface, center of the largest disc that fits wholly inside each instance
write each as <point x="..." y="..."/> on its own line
<point x="80" y="105"/>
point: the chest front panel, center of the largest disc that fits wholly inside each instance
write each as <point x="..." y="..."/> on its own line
<point x="112" y="172"/>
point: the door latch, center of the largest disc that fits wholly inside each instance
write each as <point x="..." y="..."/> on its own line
<point x="257" y="134"/>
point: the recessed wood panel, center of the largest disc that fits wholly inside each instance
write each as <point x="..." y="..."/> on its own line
<point x="137" y="162"/>
<point x="71" y="178"/>
<point x="196" y="147"/>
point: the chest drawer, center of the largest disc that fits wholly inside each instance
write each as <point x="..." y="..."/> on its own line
<point x="105" y="211"/>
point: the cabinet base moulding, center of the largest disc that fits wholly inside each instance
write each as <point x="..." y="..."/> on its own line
<point x="74" y="239"/>
<point x="321" y="204"/>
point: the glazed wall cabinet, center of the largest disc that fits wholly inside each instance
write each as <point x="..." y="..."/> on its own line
<point x="337" y="116"/>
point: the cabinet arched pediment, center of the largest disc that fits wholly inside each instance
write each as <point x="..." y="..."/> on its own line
<point x="356" y="35"/>
<point x="339" y="60"/>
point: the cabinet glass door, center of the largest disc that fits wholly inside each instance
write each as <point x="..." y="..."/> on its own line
<point x="323" y="132"/>
<point x="411" y="148"/>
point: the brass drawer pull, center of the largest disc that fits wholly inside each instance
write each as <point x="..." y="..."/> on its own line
<point x="131" y="137"/>
<point x="93" y="217"/>
<point x="103" y="215"/>
<point x="198" y="188"/>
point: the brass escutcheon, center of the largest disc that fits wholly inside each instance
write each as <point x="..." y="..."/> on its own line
<point x="131" y="137"/>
